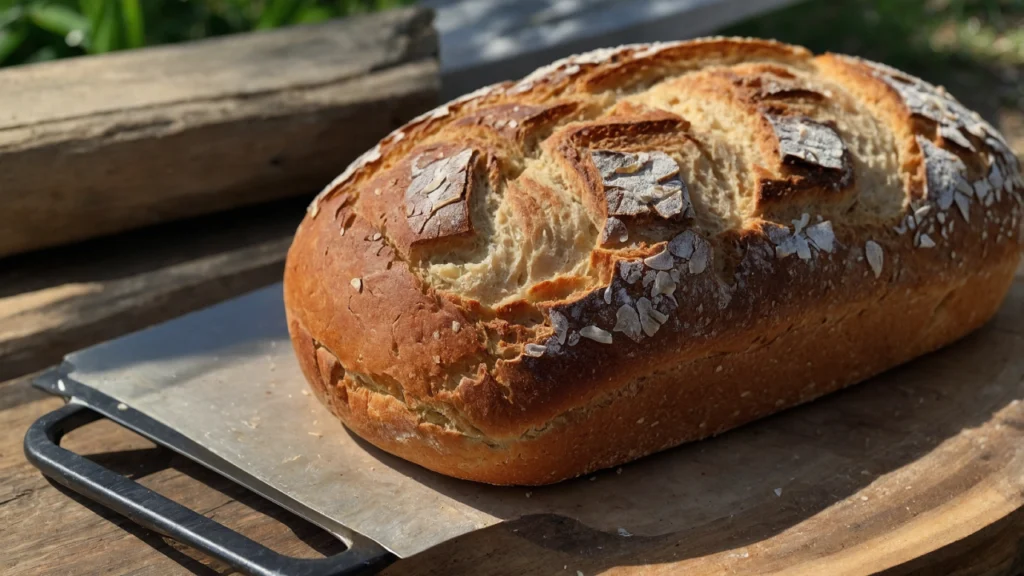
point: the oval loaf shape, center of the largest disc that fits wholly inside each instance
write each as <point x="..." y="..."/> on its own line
<point x="643" y="246"/>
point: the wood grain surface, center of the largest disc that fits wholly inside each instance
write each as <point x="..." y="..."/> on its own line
<point x="101" y="144"/>
<point x="925" y="476"/>
<point x="60" y="300"/>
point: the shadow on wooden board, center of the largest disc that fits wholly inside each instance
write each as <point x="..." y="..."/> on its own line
<point x="59" y="300"/>
<point x="167" y="472"/>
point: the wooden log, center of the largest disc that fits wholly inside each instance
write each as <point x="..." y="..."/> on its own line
<point x="48" y="529"/>
<point x="96" y="145"/>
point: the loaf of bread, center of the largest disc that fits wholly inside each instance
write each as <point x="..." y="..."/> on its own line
<point x="643" y="246"/>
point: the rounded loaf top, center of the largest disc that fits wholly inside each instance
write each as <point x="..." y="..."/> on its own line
<point x="530" y="191"/>
<point x="527" y="249"/>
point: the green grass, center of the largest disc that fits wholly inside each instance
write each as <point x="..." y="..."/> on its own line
<point x="37" y="30"/>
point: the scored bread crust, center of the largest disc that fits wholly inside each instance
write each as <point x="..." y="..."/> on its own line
<point x="643" y="246"/>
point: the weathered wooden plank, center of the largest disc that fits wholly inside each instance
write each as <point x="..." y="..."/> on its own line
<point x="97" y="145"/>
<point x="486" y="41"/>
<point x="57" y="301"/>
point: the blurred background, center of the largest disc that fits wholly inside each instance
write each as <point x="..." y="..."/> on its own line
<point x="974" y="47"/>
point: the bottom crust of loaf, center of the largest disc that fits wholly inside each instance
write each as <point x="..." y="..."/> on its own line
<point x="784" y="365"/>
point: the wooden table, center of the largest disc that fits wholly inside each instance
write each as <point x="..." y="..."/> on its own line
<point x="98" y="289"/>
<point x="49" y="530"/>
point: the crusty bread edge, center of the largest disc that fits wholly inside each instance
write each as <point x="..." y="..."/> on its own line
<point x="797" y="358"/>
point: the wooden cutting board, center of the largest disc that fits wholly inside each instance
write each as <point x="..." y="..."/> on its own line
<point x="918" y="471"/>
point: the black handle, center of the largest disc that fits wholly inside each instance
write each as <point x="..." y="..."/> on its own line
<point x="149" y="509"/>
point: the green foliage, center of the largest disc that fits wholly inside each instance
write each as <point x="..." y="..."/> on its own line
<point x="37" y="30"/>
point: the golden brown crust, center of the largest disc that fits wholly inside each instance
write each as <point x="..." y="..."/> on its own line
<point x="644" y="246"/>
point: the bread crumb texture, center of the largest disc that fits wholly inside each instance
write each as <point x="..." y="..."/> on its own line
<point x="546" y="261"/>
